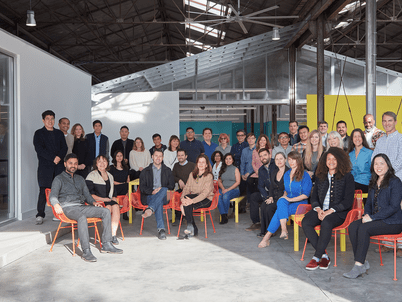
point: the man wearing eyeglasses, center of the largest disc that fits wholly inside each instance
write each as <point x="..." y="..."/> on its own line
<point x="192" y="146"/>
<point x="284" y="145"/>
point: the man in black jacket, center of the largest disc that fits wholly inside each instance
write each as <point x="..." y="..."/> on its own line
<point x="50" y="146"/>
<point x="155" y="181"/>
<point x="124" y="144"/>
<point x="98" y="143"/>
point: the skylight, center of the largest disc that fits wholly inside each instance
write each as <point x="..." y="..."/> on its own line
<point x="205" y="29"/>
<point x="199" y="45"/>
<point x="210" y="7"/>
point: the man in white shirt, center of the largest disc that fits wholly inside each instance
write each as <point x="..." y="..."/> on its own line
<point x="64" y="125"/>
<point x="372" y="133"/>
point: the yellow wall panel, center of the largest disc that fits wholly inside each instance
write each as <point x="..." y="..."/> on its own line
<point x="357" y="104"/>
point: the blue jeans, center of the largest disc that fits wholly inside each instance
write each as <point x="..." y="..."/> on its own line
<point x="156" y="202"/>
<point x="224" y="200"/>
<point x="283" y="211"/>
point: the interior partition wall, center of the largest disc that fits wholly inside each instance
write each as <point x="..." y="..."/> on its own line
<point x="7" y="204"/>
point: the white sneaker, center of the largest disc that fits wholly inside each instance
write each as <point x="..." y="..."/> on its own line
<point x="39" y="220"/>
<point x="55" y="219"/>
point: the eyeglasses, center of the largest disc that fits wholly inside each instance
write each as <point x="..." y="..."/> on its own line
<point x="283" y="137"/>
<point x="240" y="135"/>
<point x="190" y="131"/>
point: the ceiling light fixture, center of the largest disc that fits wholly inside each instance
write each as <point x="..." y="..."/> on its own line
<point x="275" y="34"/>
<point x="30" y="16"/>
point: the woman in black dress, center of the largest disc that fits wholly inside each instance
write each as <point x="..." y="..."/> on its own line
<point x="80" y="149"/>
<point x="120" y="173"/>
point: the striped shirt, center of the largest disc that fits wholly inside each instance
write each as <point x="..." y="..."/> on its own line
<point x="299" y="147"/>
<point x="391" y="145"/>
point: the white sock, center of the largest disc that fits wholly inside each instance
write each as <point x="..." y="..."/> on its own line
<point x="316" y="259"/>
<point x="325" y="256"/>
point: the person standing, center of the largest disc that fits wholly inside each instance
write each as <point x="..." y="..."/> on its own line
<point x="293" y="132"/>
<point x="283" y="146"/>
<point x="98" y="143"/>
<point x="81" y="150"/>
<point x="64" y="125"/>
<point x="323" y="129"/>
<point x="372" y="133"/>
<point x="170" y="154"/>
<point x="236" y="151"/>
<point x="193" y="147"/>
<point x="140" y="158"/>
<point x="303" y="134"/>
<point x="342" y="129"/>
<point x="157" y="139"/>
<point x="209" y="146"/>
<point x="246" y="167"/>
<point x="224" y="144"/>
<point x="124" y="144"/>
<point x="50" y="146"/>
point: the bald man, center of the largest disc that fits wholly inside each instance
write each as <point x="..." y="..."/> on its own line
<point x="372" y="133"/>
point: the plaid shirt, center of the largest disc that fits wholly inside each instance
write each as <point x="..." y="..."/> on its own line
<point x="299" y="147"/>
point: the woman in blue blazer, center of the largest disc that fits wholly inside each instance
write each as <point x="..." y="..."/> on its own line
<point x="382" y="212"/>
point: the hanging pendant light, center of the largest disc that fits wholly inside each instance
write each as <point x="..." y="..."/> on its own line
<point x="30" y="16"/>
<point x="275" y="34"/>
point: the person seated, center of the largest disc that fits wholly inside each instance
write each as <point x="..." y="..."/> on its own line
<point x="312" y="153"/>
<point x="157" y="139"/>
<point x="382" y="212"/>
<point x="283" y="146"/>
<point x="170" y="154"/>
<point x="101" y="186"/>
<point x="120" y="173"/>
<point x="181" y="171"/>
<point x="360" y="156"/>
<point x="334" y="139"/>
<point x="68" y="195"/>
<point x="217" y="157"/>
<point x="155" y="181"/>
<point x="224" y="144"/>
<point x="331" y="200"/>
<point x="276" y="189"/>
<point x="198" y="192"/>
<point x="80" y="148"/>
<point x="123" y="144"/>
<point x="228" y="182"/>
<point x="257" y="198"/>
<point x="297" y="189"/>
<point x="139" y="158"/>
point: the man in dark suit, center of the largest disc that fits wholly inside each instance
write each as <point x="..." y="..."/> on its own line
<point x="98" y="143"/>
<point x="51" y="148"/>
<point x="124" y="144"/>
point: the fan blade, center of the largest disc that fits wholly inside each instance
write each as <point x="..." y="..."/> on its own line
<point x="271" y="17"/>
<point x="264" y="23"/>
<point x="262" y="11"/>
<point x="243" y="27"/>
<point x="234" y="11"/>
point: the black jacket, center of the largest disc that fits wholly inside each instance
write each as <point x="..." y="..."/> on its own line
<point x="118" y="145"/>
<point x="344" y="191"/>
<point x="147" y="181"/>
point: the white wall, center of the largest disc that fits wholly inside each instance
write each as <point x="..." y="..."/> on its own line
<point x="144" y="113"/>
<point x="42" y="82"/>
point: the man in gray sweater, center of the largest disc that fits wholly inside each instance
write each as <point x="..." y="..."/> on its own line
<point x="68" y="195"/>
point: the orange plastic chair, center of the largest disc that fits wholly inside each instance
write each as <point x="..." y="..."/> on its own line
<point x="203" y="212"/>
<point x="137" y="204"/>
<point x="124" y="201"/>
<point x="73" y="224"/>
<point x="393" y="239"/>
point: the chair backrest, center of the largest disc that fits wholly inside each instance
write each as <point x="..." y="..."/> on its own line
<point x="47" y="192"/>
<point x="214" y="202"/>
<point x="301" y="210"/>
<point x="125" y="202"/>
<point x="358" y="200"/>
<point x="216" y="187"/>
<point x="353" y="215"/>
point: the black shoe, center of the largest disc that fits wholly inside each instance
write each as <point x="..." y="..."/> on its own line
<point x="88" y="256"/>
<point x="125" y="216"/>
<point x="162" y="235"/>
<point x="224" y="219"/>
<point x="114" y="240"/>
<point x="195" y="229"/>
<point x="108" y="247"/>
<point x="176" y="222"/>
<point x="260" y="235"/>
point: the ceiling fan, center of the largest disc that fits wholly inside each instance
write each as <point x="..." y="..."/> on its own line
<point x="251" y="18"/>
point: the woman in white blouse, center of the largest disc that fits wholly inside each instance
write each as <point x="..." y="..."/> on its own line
<point x="170" y="154"/>
<point x="217" y="157"/>
<point x="140" y="157"/>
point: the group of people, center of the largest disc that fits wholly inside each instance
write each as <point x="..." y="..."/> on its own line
<point x="316" y="167"/>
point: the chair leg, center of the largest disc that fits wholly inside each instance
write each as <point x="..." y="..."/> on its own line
<point x="212" y="222"/>
<point x="121" y="230"/>
<point x="72" y="232"/>
<point x="379" y="245"/>
<point x="142" y="225"/>
<point x="395" y="279"/>
<point x="204" y="216"/>
<point x="335" y="248"/>
<point x="178" y="233"/>
<point x="236" y="212"/>
<point x="304" y="250"/>
<point x="167" y="220"/>
<point x="55" y="236"/>
<point x="97" y="233"/>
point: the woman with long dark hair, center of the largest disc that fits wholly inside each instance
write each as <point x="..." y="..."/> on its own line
<point x="120" y="173"/>
<point x="101" y="186"/>
<point x="170" y="154"/>
<point x="297" y="189"/>
<point x="217" y="157"/>
<point x="360" y="156"/>
<point x="81" y="149"/>
<point x="382" y="212"/>
<point x="197" y="193"/>
<point x="331" y="200"/>
<point x="228" y="182"/>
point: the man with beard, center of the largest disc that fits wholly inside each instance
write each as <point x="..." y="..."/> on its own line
<point x="372" y="133"/>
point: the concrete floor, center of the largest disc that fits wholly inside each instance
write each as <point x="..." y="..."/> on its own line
<point x="227" y="266"/>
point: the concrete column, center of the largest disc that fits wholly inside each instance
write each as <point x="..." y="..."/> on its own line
<point x="262" y="119"/>
<point x="371" y="56"/>
<point x="320" y="68"/>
